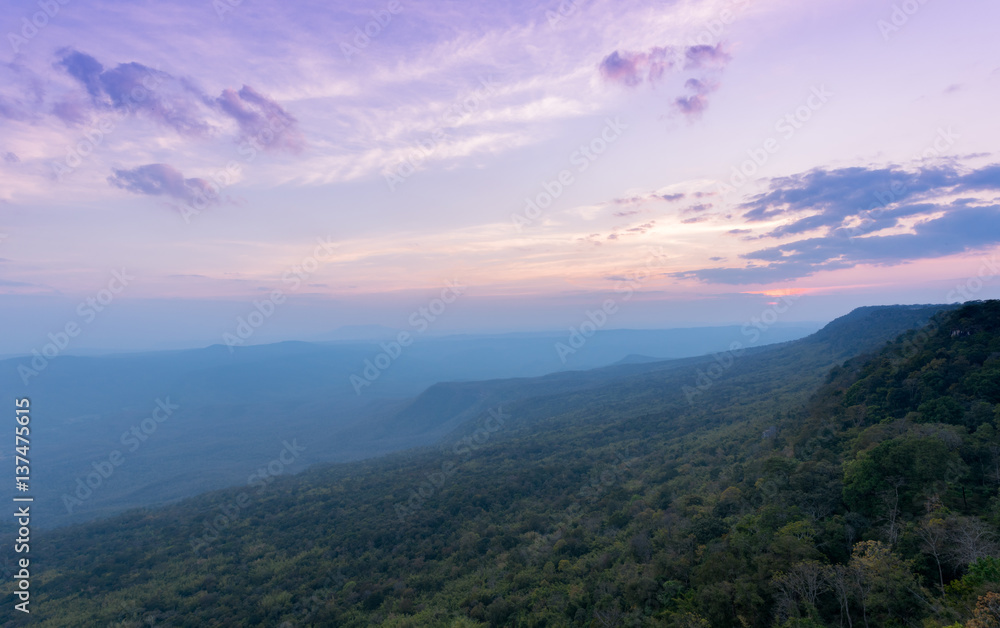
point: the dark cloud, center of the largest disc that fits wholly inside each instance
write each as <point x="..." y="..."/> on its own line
<point x="620" y="68"/>
<point x="739" y="231"/>
<point x="84" y="68"/>
<point x="987" y="178"/>
<point x="132" y="87"/>
<point x="672" y="197"/>
<point x="688" y="221"/>
<point x="849" y="205"/>
<point x="11" y="158"/>
<point x="165" y="180"/>
<point x="633" y="68"/>
<point x="174" y="102"/>
<point x="160" y="96"/>
<point x="693" y="106"/>
<point x="705" y="57"/>
<point x="261" y="119"/>
<point x="870" y="198"/>
<point x="627" y="213"/>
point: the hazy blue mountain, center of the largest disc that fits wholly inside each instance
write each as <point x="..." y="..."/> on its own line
<point x="236" y="409"/>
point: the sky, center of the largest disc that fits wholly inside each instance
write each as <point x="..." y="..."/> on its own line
<point x="169" y="169"/>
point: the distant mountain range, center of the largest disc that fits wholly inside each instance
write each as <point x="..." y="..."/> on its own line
<point x="236" y="407"/>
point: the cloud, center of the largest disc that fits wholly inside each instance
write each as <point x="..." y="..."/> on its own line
<point x="11" y="158"/>
<point x="86" y="69"/>
<point x="175" y="102"/>
<point x="693" y="106"/>
<point x="635" y="199"/>
<point x="642" y="228"/>
<point x="872" y="198"/>
<point x="851" y="206"/>
<point x="132" y="86"/>
<point x="633" y="68"/>
<point x="164" y="180"/>
<point x="71" y="111"/>
<point x="166" y="100"/>
<point x="706" y="57"/>
<point x="620" y="68"/>
<point x="262" y="119"/>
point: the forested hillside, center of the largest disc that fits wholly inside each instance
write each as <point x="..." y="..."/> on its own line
<point x="800" y="486"/>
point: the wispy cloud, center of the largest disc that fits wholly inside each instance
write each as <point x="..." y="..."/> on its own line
<point x="164" y="180"/>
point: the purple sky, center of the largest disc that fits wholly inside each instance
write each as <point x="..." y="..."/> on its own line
<point x="547" y="157"/>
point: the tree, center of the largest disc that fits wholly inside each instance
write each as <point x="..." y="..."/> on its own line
<point x="842" y="583"/>
<point x="800" y="586"/>
<point x="972" y="539"/>
<point x="922" y="462"/>
<point x="884" y="584"/>
<point x="934" y="537"/>
<point x="987" y="613"/>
